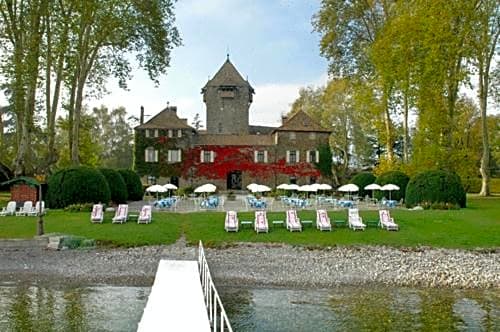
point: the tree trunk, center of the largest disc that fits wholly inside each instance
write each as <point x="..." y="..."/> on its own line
<point x="406" y="138"/>
<point x="483" y="104"/>
<point x="388" y="128"/>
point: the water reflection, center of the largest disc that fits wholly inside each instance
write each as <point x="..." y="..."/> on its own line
<point x="362" y="309"/>
<point x="101" y="308"/>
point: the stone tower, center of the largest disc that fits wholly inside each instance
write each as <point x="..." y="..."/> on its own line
<point x="227" y="97"/>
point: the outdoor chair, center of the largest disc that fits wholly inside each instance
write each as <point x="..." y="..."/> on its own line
<point x="385" y="221"/>
<point x="97" y="214"/>
<point x="323" y="221"/>
<point x="293" y="221"/>
<point x="35" y="211"/>
<point x="145" y="215"/>
<point x="9" y="210"/>
<point x="261" y="224"/>
<point x="231" y="222"/>
<point x="121" y="214"/>
<point x="355" y="221"/>
<point x="25" y="209"/>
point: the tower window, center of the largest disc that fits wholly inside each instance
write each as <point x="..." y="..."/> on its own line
<point x="227" y="91"/>
<point x="220" y="127"/>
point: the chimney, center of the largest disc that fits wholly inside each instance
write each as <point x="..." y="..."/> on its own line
<point x="141" y="118"/>
<point x="283" y="118"/>
<point x="173" y="109"/>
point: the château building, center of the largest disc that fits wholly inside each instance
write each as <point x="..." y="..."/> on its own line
<point x="230" y="153"/>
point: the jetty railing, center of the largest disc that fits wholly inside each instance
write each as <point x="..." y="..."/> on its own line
<point x="216" y="313"/>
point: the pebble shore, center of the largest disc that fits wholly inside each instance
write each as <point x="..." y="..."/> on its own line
<point x="265" y="265"/>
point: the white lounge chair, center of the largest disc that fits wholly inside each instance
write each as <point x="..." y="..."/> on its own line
<point x="8" y="210"/>
<point x="231" y="222"/>
<point x="261" y="224"/>
<point x="355" y="221"/>
<point x="293" y="221"/>
<point x="145" y="215"/>
<point x="97" y="214"/>
<point x="385" y="221"/>
<point x="25" y="209"/>
<point x="35" y="211"/>
<point x="323" y="221"/>
<point x="121" y="214"/>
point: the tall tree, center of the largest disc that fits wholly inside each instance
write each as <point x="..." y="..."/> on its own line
<point x="349" y="29"/>
<point x="486" y="28"/>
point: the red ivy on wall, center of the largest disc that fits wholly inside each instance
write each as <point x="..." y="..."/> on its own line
<point x="241" y="158"/>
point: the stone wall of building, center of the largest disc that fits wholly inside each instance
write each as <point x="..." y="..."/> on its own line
<point x="227" y="110"/>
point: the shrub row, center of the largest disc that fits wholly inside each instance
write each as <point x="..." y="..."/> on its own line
<point x="429" y="189"/>
<point x="81" y="185"/>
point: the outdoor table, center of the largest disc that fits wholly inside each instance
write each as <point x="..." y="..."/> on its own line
<point x="278" y="222"/>
<point x="245" y="223"/>
<point x="307" y="222"/>
<point x="339" y="223"/>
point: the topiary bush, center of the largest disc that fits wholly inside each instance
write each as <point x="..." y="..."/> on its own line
<point x="362" y="180"/>
<point x="76" y="185"/>
<point x="117" y="186"/>
<point x="435" y="188"/>
<point x="133" y="183"/>
<point x="398" y="178"/>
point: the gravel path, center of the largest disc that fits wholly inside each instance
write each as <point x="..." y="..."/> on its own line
<point x="259" y="265"/>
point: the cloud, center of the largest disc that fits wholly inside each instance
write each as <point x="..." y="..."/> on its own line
<point x="274" y="99"/>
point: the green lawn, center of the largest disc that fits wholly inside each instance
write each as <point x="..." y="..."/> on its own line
<point x="477" y="226"/>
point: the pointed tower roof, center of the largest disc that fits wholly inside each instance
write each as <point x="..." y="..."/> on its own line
<point x="301" y="121"/>
<point x="228" y="75"/>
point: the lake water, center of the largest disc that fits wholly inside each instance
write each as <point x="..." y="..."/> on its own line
<point x="106" y="308"/>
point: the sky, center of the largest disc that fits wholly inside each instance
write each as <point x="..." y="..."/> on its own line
<point x="269" y="41"/>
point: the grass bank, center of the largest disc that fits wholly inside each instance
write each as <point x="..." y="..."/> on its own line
<point x="477" y="226"/>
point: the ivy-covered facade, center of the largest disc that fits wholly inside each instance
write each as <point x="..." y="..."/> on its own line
<point x="231" y="153"/>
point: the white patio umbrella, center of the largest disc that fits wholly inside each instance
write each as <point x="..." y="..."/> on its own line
<point x="170" y="186"/>
<point x="293" y="187"/>
<point x="260" y="188"/>
<point x="349" y="188"/>
<point x="324" y="186"/>
<point x="373" y="187"/>
<point x="156" y="188"/>
<point x="283" y="186"/>
<point x="308" y="188"/>
<point x="206" y="188"/>
<point x="389" y="187"/>
<point x="251" y="186"/>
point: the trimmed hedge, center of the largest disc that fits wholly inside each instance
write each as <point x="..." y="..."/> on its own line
<point x="362" y="180"/>
<point x="398" y="178"/>
<point x="435" y="189"/>
<point x="117" y="186"/>
<point x="133" y="183"/>
<point x="77" y="185"/>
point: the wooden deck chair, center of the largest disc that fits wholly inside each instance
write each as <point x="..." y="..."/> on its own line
<point x="260" y="223"/>
<point x="25" y="209"/>
<point x="385" y="221"/>
<point x="145" y="215"/>
<point x="355" y="221"/>
<point x="35" y="211"/>
<point x="231" y="222"/>
<point x="97" y="214"/>
<point x="9" y="210"/>
<point x="323" y="221"/>
<point x="293" y="221"/>
<point x="121" y="214"/>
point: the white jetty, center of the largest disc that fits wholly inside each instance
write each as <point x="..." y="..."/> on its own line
<point x="184" y="298"/>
